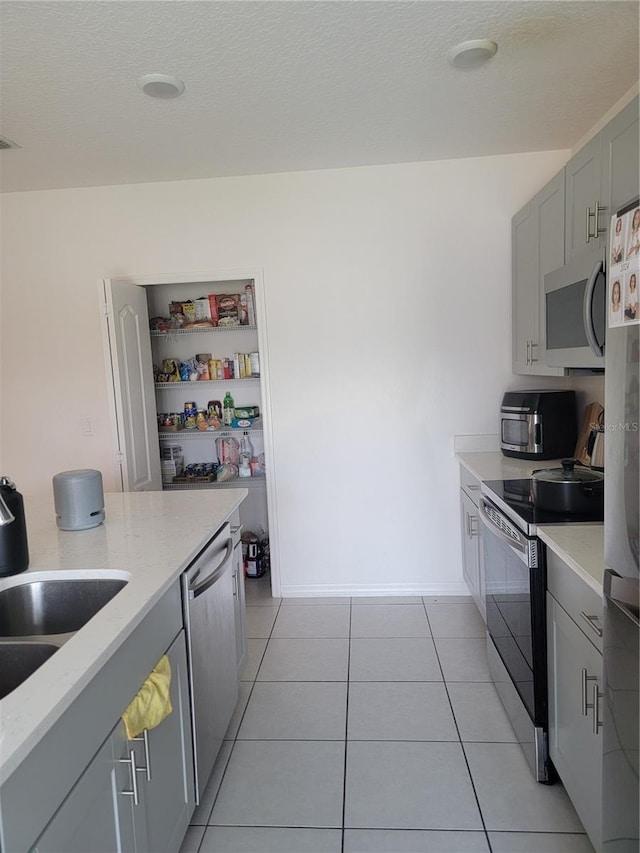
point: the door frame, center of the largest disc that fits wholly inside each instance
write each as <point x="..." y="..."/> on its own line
<point x="219" y="275"/>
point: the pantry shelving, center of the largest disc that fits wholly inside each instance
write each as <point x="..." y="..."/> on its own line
<point x="176" y="351"/>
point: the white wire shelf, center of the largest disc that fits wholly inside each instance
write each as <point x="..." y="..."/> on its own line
<point x="155" y="333"/>
<point x="172" y="386"/>
<point x="208" y="433"/>
<point x="237" y="483"/>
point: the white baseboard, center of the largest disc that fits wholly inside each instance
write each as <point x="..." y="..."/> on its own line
<point x="346" y="590"/>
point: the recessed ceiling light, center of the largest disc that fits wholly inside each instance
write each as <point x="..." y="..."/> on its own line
<point x="472" y="53"/>
<point x="161" y="86"/>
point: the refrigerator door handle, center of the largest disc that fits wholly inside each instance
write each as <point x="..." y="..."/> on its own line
<point x="624" y="593"/>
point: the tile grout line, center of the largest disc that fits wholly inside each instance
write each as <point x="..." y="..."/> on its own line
<point x="464" y="752"/>
<point x="346" y="731"/>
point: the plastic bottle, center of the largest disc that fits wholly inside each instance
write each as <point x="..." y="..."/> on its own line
<point x="246" y="455"/>
<point x="228" y="410"/>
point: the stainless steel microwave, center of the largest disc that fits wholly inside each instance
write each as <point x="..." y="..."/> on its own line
<point x="575" y="312"/>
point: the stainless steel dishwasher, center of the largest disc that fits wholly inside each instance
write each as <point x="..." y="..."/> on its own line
<point x="209" y="616"/>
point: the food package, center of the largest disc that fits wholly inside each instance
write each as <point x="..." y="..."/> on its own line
<point x="228" y="309"/>
<point x="228" y="450"/>
<point x="203" y="308"/>
<point x="226" y="472"/>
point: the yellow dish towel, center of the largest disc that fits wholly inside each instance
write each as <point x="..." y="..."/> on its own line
<point x="152" y="702"/>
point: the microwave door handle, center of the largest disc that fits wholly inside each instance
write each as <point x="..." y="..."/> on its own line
<point x="587" y="309"/>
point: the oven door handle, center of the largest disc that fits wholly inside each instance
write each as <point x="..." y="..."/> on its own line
<point x="520" y="544"/>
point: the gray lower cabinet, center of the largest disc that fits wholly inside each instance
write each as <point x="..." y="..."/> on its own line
<point x="135" y="795"/>
<point x="74" y="789"/>
<point x="96" y="816"/>
<point x="164" y="762"/>
<point x="537" y="247"/>
<point x="472" y="569"/>
<point x="575" y="707"/>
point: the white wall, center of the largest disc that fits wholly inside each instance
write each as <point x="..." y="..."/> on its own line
<point x="388" y="315"/>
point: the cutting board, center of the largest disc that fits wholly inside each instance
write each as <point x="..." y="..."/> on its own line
<point x="591" y="418"/>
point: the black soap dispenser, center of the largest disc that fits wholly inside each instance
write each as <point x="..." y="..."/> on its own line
<point x="14" y="553"/>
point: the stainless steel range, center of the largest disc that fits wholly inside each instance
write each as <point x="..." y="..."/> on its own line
<point x="515" y="582"/>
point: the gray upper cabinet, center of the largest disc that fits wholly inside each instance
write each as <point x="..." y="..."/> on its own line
<point x="537" y="248"/>
<point x="600" y="178"/>
<point x="569" y="216"/>
<point x="621" y="159"/>
<point x="583" y="175"/>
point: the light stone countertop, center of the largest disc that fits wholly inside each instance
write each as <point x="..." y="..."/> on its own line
<point x="148" y="538"/>
<point x="581" y="545"/>
<point x="494" y="466"/>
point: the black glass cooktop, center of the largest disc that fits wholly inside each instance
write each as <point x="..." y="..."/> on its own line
<point x="517" y="495"/>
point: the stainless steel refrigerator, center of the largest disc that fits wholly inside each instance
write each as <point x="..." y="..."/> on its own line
<point x="621" y="809"/>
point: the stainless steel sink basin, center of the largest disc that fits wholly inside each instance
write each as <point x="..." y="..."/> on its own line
<point x="19" y="659"/>
<point x="53" y="606"/>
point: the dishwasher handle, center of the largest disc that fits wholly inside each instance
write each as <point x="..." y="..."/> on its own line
<point x="203" y="586"/>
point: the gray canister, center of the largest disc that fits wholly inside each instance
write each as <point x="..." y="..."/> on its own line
<point x="78" y="499"/>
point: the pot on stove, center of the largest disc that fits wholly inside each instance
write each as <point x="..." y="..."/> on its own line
<point x="572" y="489"/>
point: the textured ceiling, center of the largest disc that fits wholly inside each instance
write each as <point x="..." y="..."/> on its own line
<point x="282" y="86"/>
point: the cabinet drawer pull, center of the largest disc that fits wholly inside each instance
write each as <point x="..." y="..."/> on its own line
<point x="586" y="706"/>
<point x="473" y="530"/>
<point x="590" y="620"/>
<point x="147" y="754"/>
<point x="134" y="778"/>
<point x="589" y="235"/>
<point x="533" y="344"/>
<point x="597" y="723"/>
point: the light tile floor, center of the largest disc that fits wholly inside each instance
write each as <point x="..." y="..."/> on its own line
<point x="371" y="725"/>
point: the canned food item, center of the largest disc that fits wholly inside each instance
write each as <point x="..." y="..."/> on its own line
<point x="190" y="407"/>
<point x="176" y="419"/>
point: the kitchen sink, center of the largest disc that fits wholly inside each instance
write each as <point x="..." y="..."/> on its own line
<point x="19" y="659"/>
<point x="53" y="606"/>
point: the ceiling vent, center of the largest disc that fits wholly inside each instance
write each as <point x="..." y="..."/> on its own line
<point x="7" y="143"/>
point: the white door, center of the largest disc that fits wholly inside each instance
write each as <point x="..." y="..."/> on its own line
<point x="131" y="365"/>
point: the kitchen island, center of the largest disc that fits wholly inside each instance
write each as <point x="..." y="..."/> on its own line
<point x="147" y="539"/>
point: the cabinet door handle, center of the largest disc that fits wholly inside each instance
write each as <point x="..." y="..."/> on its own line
<point x="528" y="353"/>
<point x="597" y="723"/>
<point x="234" y="578"/>
<point x="473" y="530"/>
<point x="585" y="679"/>
<point x="533" y="344"/>
<point x="473" y="488"/>
<point x="590" y="620"/>
<point x="588" y="232"/>
<point x="134" y="792"/>
<point x="147" y="754"/>
<point x="597" y="229"/>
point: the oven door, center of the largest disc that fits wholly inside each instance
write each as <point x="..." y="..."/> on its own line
<point x="515" y="602"/>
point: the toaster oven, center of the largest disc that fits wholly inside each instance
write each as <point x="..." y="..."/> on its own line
<point x="538" y="424"/>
